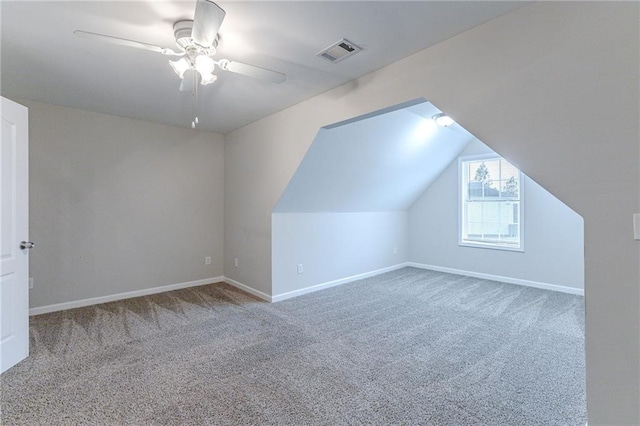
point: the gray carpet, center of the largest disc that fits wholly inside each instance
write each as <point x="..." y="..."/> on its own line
<point x="407" y="347"/>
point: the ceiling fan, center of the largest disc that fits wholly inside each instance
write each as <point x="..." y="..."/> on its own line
<point x="197" y="41"/>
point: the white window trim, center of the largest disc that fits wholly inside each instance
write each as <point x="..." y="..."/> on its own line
<point x="479" y="244"/>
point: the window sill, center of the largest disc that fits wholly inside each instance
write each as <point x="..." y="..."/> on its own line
<point x="490" y="246"/>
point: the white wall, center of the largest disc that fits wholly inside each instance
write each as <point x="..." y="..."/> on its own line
<point x="553" y="234"/>
<point x="334" y="246"/>
<point x="552" y="87"/>
<point x="344" y="211"/>
<point x="118" y="205"/>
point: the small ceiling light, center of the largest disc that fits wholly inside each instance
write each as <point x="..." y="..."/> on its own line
<point x="180" y="66"/>
<point x="443" y="120"/>
<point x="208" y="79"/>
<point x="204" y="64"/>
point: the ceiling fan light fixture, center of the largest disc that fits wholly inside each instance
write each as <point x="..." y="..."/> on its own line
<point x="208" y="78"/>
<point x="180" y="66"/>
<point x="197" y="41"/>
<point x="204" y="65"/>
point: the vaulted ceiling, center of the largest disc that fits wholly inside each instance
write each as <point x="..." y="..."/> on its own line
<point x="381" y="162"/>
<point x="42" y="60"/>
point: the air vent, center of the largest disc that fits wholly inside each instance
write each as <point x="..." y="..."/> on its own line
<point x="339" y="50"/>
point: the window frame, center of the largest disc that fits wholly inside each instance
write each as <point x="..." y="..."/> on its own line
<point x="461" y="202"/>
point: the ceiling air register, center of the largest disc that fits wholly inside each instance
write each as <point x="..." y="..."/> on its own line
<point x="339" y="51"/>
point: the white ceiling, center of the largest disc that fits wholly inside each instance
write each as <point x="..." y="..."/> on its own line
<point x="375" y="163"/>
<point x="42" y="60"/>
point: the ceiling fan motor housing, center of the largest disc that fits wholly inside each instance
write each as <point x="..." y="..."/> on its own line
<point x="182" y="32"/>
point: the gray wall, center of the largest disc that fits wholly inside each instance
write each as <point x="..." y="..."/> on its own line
<point x="553" y="234"/>
<point x="334" y="246"/>
<point x="118" y="205"/>
<point x="552" y="87"/>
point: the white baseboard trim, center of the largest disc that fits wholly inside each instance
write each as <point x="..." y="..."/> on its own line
<point x="295" y="293"/>
<point x="120" y="296"/>
<point x="247" y="289"/>
<point x="328" y="284"/>
<point x="508" y="280"/>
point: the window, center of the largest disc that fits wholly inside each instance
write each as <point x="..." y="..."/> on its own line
<point x="491" y="203"/>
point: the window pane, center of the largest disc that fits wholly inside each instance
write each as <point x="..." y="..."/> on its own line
<point x="508" y="170"/>
<point x="474" y="166"/>
<point x="474" y="230"/>
<point x="474" y="212"/>
<point x="492" y="189"/>
<point x="489" y="231"/>
<point x="493" y="168"/>
<point x="475" y="190"/>
<point x="491" y="212"/>
<point x="479" y="171"/>
<point x="510" y="188"/>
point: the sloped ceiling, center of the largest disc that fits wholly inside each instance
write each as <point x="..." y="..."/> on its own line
<point x="380" y="162"/>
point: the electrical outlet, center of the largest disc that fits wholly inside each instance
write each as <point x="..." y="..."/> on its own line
<point x="235" y="262"/>
<point x="30" y="283"/>
<point x="395" y="250"/>
<point x="300" y="268"/>
<point x="207" y="260"/>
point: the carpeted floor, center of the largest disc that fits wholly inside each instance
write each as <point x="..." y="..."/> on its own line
<point x="407" y="347"/>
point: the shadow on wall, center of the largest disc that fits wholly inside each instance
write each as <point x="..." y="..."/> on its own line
<point x="382" y="191"/>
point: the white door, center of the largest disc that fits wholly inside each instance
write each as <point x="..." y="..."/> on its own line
<point x="14" y="235"/>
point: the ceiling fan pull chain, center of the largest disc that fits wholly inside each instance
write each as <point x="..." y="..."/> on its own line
<point x="195" y="99"/>
<point x="194" y="94"/>
<point x="193" y="110"/>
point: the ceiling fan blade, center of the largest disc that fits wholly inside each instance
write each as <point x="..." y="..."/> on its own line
<point x="125" y="42"/>
<point x="252" y="71"/>
<point x="206" y="22"/>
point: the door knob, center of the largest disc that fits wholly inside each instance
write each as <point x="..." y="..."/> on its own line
<point x="27" y="245"/>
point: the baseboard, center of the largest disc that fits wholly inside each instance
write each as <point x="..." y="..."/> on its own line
<point x="120" y="296"/>
<point x="247" y="289"/>
<point x="328" y="284"/>
<point x="295" y="293"/>
<point x="508" y="280"/>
